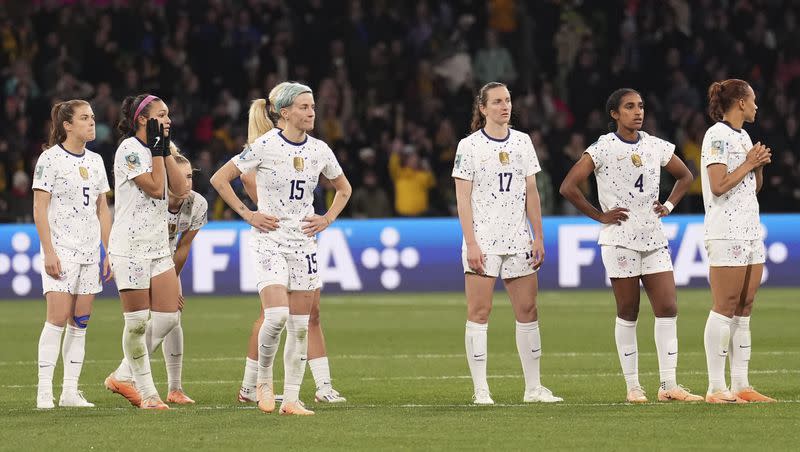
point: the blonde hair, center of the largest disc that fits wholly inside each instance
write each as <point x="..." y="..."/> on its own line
<point x="177" y="155"/>
<point x="258" y="123"/>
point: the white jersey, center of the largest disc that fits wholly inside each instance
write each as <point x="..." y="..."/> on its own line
<point x="734" y="215"/>
<point x="140" y="222"/>
<point x="497" y="169"/>
<point x="74" y="183"/>
<point x="628" y="175"/>
<point x="286" y="176"/>
<point x="191" y="216"/>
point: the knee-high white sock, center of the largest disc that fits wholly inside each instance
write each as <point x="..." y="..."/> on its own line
<point x="321" y="371"/>
<point x="295" y="356"/>
<point x="628" y="351"/>
<point x="250" y="374"/>
<point x="269" y="338"/>
<point x="529" y="347"/>
<point x="740" y="352"/>
<point x="666" y="334"/>
<point x="475" y="340"/>
<point x="49" y="342"/>
<point x="73" y="350"/>
<point x="160" y="324"/>
<point x="716" y="337"/>
<point x="134" y="346"/>
<point x="172" y="349"/>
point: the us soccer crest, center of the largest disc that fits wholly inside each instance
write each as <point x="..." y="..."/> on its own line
<point x="637" y="160"/>
<point x="84" y="172"/>
<point x="132" y="160"/>
<point x="299" y="164"/>
<point x="504" y="157"/>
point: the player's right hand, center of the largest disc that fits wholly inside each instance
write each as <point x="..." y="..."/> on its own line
<point x="616" y="216"/>
<point x="759" y="155"/>
<point x="52" y="265"/>
<point x="475" y="259"/>
<point x="263" y="222"/>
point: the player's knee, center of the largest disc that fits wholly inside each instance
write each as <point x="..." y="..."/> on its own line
<point x="81" y="321"/>
<point x="479" y="314"/>
<point x="313" y="319"/>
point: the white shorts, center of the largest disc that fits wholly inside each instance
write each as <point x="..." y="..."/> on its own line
<point x="623" y="262"/>
<point x="506" y="266"/>
<point x="131" y="273"/>
<point x="293" y="270"/>
<point x="735" y="253"/>
<point x="76" y="279"/>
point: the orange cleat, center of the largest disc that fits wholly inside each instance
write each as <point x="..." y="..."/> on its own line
<point x="751" y="395"/>
<point x="179" y="397"/>
<point x="636" y="395"/>
<point x="294" y="409"/>
<point x="125" y="388"/>
<point x="153" y="403"/>
<point x="678" y="394"/>
<point x="724" y="396"/>
<point x="265" y="397"/>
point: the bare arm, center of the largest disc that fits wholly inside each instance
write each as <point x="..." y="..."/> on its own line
<point x="182" y="252"/>
<point x="315" y="224"/>
<point x="41" y="204"/>
<point x="104" y="216"/>
<point x="684" y="179"/>
<point x="533" y="210"/>
<point x="221" y="181"/>
<point x="721" y="181"/>
<point x="569" y="190"/>
<point x="249" y="182"/>
<point x="759" y="172"/>
<point x="475" y="259"/>
<point x="152" y="183"/>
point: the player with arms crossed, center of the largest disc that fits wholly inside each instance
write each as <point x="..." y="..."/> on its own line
<point x="627" y="164"/>
<point x="732" y="174"/>
<point x="288" y="164"/>
<point x="496" y="192"/>
<point x="72" y="216"/>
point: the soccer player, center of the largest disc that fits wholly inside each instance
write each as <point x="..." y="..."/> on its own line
<point x="732" y="174"/>
<point x="144" y="170"/>
<point x="495" y="180"/>
<point x="186" y="215"/>
<point x="261" y="117"/>
<point x="72" y="218"/>
<point x="627" y="164"/>
<point x="288" y="164"/>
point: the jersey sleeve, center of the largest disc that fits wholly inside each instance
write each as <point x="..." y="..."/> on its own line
<point x="331" y="169"/>
<point x="532" y="161"/>
<point x="715" y="150"/>
<point x="133" y="161"/>
<point x="199" y="213"/>
<point x="595" y="151"/>
<point x="249" y="159"/>
<point x="668" y="150"/>
<point x="44" y="176"/>
<point x="463" y="167"/>
<point x="102" y="183"/>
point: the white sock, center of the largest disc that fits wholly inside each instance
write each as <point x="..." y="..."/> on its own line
<point x="294" y="356"/>
<point x="172" y="348"/>
<point x="160" y="324"/>
<point x="321" y="371"/>
<point x="666" y="334"/>
<point x="628" y="351"/>
<point x="250" y="374"/>
<point x="134" y="346"/>
<point x="49" y="342"/>
<point x="740" y="352"/>
<point x="72" y="352"/>
<point x="717" y="337"/>
<point x="124" y="371"/>
<point x="477" y="354"/>
<point x="269" y="338"/>
<point x="529" y="347"/>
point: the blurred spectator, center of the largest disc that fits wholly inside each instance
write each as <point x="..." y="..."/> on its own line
<point x="370" y="200"/>
<point x="493" y="63"/>
<point x="413" y="181"/>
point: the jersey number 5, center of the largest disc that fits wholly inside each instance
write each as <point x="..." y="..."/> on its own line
<point x="297" y="189"/>
<point x="85" y="196"/>
<point x="640" y="183"/>
<point x="505" y="181"/>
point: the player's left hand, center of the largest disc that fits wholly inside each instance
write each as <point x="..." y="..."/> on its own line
<point x="538" y="254"/>
<point x="107" y="273"/>
<point x="660" y="209"/>
<point x="314" y="224"/>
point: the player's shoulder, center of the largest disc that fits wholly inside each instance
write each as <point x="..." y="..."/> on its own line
<point x="603" y="142"/>
<point x="719" y="130"/>
<point x="131" y="144"/>
<point x="200" y="202"/>
<point x="654" y="141"/>
<point x="316" y="143"/>
<point x="473" y="139"/>
<point x="264" y="141"/>
<point x="94" y="157"/>
<point x="50" y="153"/>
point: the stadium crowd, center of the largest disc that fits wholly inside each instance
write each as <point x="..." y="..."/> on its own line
<point x="395" y="82"/>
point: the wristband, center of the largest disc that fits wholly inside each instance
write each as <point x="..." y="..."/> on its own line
<point x="669" y="206"/>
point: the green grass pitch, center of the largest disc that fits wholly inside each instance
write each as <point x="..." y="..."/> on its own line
<point x="399" y="359"/>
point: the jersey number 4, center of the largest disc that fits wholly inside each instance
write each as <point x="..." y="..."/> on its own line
<point x="297" y="189"/>
<point x="505" y="181"/>
<point x="640" y="183"/>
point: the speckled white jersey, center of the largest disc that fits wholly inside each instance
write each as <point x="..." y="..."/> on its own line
<point x="286" y="176"/>
<point x="497" y="169"/>
<point x="74" y="183"/>
<point x="191" y="216"/>
<point x="734" y="215"/>
<point x="140" y="222"/>
<point x="628" y="175"/>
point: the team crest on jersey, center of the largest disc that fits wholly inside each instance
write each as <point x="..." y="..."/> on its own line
<point x="299" y="164"/>
<point x="504" y="158"/>
<point x="39" y="171"/>
<point x="717" y="148"/>
<point x="132" y="160"/>
<point x="84" y="172"/>
<point x="637" y="160"/>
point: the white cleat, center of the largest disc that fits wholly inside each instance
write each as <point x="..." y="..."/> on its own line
<point x="247" y="395"/>
<point x="540" y="394"/>
<point x="328" y="395"/>
<point x="74" y="399"/>
<point x="44" y="400"/>
<point x="482" y="397"/>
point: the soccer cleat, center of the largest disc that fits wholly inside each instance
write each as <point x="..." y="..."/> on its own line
<point x="679" y="394"/>
<point x="482" y="397"/>
<point x="749" y="394"/>
<point x="247" y="395"/>
<point x="541" y="394"/>
<point x="724" y="396"/>
<point x="153" y="403"/>
<point x="74" y="399"/>
<point x="636" y="395"/>
<point x="179" y="397"/>
<point x="125" y="388"/>
<point x="44" y="400"/>
<point x="328" y="395"/>
<point x="294" y="409"/>
<point x="265" y="397"/>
